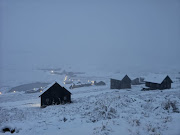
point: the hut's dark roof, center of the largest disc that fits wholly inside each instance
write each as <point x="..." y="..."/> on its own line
<point x="119" y="76"/>
<point x="156" y="78"/>
<point x="51" y="85"/>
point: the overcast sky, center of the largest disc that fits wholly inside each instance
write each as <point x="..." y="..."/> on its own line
<point x="111" y="34"/>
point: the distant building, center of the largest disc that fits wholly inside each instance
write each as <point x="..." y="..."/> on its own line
<point x="124" y="83"/>
<point x="158" y="82"/>
<point x="80" y="85"/>
<point x="55" y="94"/>
<point x="92" y="83"/>
<point x="99" y="83"/>
<point x="137" y="81"/>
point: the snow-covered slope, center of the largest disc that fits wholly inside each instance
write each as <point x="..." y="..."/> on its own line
<point x="95" y="110"/>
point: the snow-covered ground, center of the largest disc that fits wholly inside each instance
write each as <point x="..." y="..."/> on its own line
<point x="96" y="110"/>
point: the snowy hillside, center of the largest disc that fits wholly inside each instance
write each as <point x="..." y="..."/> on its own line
<point x="96" y="110"/>
<point x="81" y="52"/>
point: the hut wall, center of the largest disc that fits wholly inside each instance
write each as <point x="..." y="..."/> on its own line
<point x="125" y="85"/>
<point x="55" y="96"/>
<point x="115" y="84"/>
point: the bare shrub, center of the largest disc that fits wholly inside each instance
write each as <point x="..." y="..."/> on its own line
<point x="102" y="111"/>
<point x="104" y="129"/>
<point x="170" y="106"/>
<point x="136" y="122"/>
